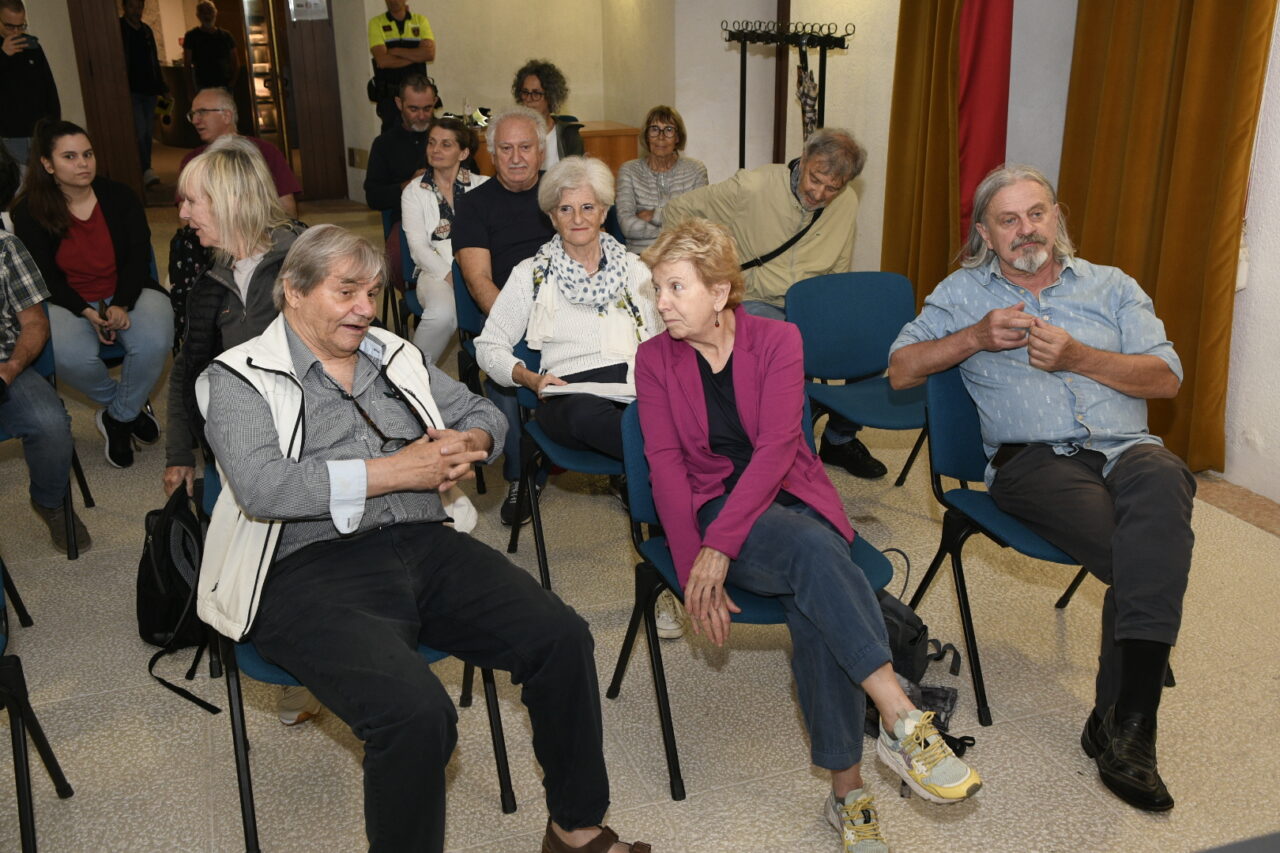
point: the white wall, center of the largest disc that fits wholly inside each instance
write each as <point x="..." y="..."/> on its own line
<point x="1253" y="396"/>
<point x="706" y="81"/>
<point x="1039" y="76"/>
<point x="859" y="98"/>
<point x="50" y="21"/>
<point x="639" y="44"/>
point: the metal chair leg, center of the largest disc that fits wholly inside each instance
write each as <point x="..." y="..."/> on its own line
<point x="506" y="794"/>
<point x="240" y="742"/>
<point x="468" y="676"/>
<point x="527" y="450"/>
<point x="915" y="451"/>
<point x="970" y="636"/>
<point x="22" y="721"/>
<point x="76" y="469"/>
<point x="1071" y="589"/>
<point x="629" y="641"/>
<point x="929" y="574"/>
<point x="664" y="704"/>
<point x="11" y="593"/>
<point x="22" y="778"/>
<point x="69" y="519"/>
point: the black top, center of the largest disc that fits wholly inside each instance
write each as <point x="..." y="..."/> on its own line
<point x="725" y="432"/>
<point x="509" y="224"/>
<point x="393" y="158"/>
<point x="210" y="56"/>
<point x="130" y="237"/>
<point x="140" y="60"/>
<point x="29" y="92"/>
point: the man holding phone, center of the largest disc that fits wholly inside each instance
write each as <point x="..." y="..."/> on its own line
<point x="25" y="78"/>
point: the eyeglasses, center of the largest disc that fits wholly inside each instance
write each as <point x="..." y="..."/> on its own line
<point x="15" y="28"/>
<point x="389" y="445"/>
<point x="532" y="94"/>
<point x="659" y="130"/>
<point x="194" y="114"/>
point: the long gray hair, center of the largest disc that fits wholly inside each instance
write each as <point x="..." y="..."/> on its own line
<point x="975" y="252"/>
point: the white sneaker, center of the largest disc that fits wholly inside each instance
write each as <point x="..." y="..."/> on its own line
<point x="297" y="705"/>
<point x="150" y="178"/>
<point x="917" y="753"/>
<point x="857" y="822"/>
<point x="669" y="616"/>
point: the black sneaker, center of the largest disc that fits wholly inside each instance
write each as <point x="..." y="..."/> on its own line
<point x="145" y="428"/>
<point x="56" y="520"/>
<point x="119" y="436"/>
<point x="853" y="457"/>
<point x="508" y="512"/>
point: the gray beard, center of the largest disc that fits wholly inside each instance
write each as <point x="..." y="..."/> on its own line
<point x="1030" y="263"/>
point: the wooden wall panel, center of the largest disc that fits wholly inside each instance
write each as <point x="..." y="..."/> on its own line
<point x="316" y="128"/>
<point x="107" y="106"/>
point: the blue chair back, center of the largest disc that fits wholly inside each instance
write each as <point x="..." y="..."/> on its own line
<point x="470" y="319"/>
<point x="389" y="219"/>
<point x="613" y="227"/>
<point x="955" y="437"/>
<point x="848" y="321"/>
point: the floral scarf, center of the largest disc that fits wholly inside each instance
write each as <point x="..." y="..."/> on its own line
<point x="606" y="291"/>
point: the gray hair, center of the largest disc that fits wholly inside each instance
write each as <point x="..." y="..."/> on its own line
<point x="975" y="252"/>
<point x="574" y="173"/>
<point x="226" y="100"/>
<point x="499" y="118"/>
<point x="323" y="250"/>
<point x="836" y="147"/>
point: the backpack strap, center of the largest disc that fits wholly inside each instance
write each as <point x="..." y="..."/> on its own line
<point x="795" y="238"/>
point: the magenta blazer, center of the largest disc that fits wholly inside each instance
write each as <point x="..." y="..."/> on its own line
<point x="768" y="382"/>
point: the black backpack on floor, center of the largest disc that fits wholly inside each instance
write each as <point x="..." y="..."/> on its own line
<point x="168" y="574"/>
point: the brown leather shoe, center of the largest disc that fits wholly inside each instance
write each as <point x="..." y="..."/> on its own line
<point x="56" y="520"/>
<point x="602" y="843"/>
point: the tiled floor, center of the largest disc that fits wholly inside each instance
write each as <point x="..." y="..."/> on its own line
<point x="153" y="773"/>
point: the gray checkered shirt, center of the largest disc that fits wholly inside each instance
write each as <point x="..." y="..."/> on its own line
<point x="21" y="286"/>
<point x="308" y="492"/>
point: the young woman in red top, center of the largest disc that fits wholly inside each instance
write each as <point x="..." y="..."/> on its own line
<point x="90" y="238"/>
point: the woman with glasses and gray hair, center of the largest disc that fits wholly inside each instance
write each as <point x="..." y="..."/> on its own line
<point x="541" y="87"/>
<point x="583" y="301"/>
<point x="646" y="184"/>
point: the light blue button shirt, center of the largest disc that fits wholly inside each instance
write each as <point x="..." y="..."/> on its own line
<point x="1017" y="403"/>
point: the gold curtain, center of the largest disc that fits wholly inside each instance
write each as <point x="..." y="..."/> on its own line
<point x="922" y="199"/>
<point x="1161" y="112"/>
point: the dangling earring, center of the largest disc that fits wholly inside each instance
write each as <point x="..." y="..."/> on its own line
<point x="717" y="319"/>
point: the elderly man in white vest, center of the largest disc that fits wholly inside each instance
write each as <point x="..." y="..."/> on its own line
<point x="330" y="547"/>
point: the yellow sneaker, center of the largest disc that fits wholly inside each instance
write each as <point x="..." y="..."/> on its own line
<point x="918" y="753"/>
<point x="857" y="822"/>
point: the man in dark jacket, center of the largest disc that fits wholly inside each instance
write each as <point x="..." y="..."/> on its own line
<point x="25" y="79"/>
<point x="398" y="155"/>
<point x="146" y="84"/>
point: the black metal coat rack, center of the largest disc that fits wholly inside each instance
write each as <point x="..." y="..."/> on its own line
<point x="797" y="34"/>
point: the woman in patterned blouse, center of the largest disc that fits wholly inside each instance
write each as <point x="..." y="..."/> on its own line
<point x="646" y="185"/>
<point x="427" y="210"/>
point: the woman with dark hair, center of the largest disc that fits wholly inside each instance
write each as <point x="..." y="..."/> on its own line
<point x="426" y="211"/>
<point x="646" y="184"/>
<point x="541" y="87"/>
<point x="90" y="238"/>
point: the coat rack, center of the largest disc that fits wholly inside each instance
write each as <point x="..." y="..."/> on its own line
<point x="797" y="34"/>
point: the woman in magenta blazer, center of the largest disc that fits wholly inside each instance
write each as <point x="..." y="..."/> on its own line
<point x="743" y="498"/>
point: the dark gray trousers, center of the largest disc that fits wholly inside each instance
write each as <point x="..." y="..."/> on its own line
<point x="1131" y="529"/>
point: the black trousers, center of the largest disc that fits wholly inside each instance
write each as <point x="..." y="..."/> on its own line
<point x="1131" y="529"/>
<point x="345" y="617"/>
<point x="583" y="421"/>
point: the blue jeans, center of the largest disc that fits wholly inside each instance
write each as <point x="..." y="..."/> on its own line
<point x="839" y="430"/>
<point x="33" y="412"/>
<point x="837" y="631"/>
<point x="146" y="344"/>
<point x="144" y="116"/>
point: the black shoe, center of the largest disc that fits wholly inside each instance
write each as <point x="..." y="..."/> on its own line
<point x="56" y="520"/>
<point x="853" y="457"/>
<point x="1125" y="752"/>
<point x="119" y="436"/>
<point x="145" y="428"/>
<point x="508" y="512"/>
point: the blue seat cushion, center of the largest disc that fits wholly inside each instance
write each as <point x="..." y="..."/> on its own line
<point x="872" y="403"/>
<point x="995" y="522"/>
<point x="586" y="461"/>
<point x="256" y="666"/>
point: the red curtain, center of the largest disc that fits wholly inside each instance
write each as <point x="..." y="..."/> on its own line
<point x="982" y="94"/>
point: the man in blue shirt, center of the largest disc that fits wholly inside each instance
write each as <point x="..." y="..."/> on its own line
<point x="1060" y="356"/>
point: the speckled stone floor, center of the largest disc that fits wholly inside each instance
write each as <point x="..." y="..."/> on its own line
<point x="153" y="773"/>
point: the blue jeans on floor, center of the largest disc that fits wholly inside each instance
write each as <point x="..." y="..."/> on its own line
<point x="144" y="116"/>
<point x="839" y="430"/>
<point x="33" y="412"/>
<point x="837" y="631"/>
<point x="146" y="344"/>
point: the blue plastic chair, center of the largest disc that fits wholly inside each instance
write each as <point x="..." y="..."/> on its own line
<point x="536" y="449"/>
<point x="656" y="572"/>
<point x="15" y="699"/>
<point x="955" y="451"/>
<point x="470" y="325"/>
<point x="847" y="322"/>
<point x="237" y="658"/>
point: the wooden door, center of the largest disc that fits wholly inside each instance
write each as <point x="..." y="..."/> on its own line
<point x="308" y="80"/>
<point x="104" y="83"/>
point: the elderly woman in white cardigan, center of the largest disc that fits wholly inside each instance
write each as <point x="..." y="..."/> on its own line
<point x="583" y="301"/>
<point x="426" y="208"/>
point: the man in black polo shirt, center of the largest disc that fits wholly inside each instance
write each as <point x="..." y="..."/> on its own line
<point x="498" y="225"/>
<point x="398" y="155"/>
